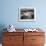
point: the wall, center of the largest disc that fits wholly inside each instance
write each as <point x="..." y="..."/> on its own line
<point x="9" y="13"/>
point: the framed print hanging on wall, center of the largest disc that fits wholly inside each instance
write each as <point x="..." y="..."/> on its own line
<point x="27" y="14"/>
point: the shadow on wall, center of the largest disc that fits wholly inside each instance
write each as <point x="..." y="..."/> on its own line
<point x="2" y="26"/>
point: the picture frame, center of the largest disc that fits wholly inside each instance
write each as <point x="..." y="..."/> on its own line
<point x="27" y="14"/>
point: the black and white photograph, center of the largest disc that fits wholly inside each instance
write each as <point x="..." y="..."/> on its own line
<point x="27" y="14"/>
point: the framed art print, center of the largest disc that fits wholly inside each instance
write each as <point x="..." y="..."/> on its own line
<point x="27" y="14"/>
